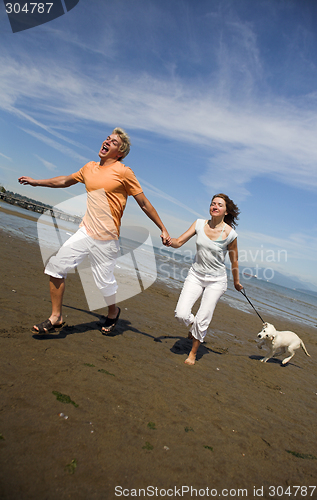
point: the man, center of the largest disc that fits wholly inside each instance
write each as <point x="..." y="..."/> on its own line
<point x="108" y="184"/>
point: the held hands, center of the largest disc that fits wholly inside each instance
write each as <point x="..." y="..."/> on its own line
<point x="166" y="239"/>
<point x="173" y="243"/>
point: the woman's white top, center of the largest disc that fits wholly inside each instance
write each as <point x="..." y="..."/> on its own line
<point x="210" y="254"/>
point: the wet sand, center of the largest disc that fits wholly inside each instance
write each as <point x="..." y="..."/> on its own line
<point x="138" y="416"/>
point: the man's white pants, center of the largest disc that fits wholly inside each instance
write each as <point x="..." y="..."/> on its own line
<point x="196" y="284"/>
<point x="102" y="255"/>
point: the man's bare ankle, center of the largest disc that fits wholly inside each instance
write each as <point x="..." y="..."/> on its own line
<point x="55" y="319"/>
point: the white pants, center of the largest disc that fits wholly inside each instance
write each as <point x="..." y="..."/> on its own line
<point x="211" y="288"/>
<point x="102" y="255"/>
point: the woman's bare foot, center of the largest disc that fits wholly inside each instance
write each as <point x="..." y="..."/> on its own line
<point x="192" y="355"/>
<point x="191" y="359"/>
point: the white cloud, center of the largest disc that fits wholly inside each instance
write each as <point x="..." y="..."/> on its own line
<point x="246" y="139"/>
<point x="56" y="145"/>
<point x="297" y="246"/>
<point x="47" y="164"/>
<point x="157" y="192"/>
<point x="49" y="130"/>
<point x="6" y="157"/>
<point x="87" y="44"/>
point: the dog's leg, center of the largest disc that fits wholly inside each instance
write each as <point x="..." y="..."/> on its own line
<point x="286" y="360"/>
<point x="291" y="352"/>
<point x="261" y="343"/>
<point x="268" y="356"/>
<point x="280" y="352"/>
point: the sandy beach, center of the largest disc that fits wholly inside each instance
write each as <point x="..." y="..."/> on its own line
<point x="137" y="416"/>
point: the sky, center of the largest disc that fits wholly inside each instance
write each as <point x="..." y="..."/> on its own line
<point x="216" y="95"/>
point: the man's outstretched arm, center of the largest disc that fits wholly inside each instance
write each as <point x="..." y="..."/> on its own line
<point x="61" y="181"/>
<point x="150" y="211"/>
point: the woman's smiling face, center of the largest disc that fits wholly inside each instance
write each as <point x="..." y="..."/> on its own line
<point x="218" y="207"/>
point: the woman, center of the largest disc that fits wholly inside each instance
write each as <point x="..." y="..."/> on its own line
<point x="207" y="276"/>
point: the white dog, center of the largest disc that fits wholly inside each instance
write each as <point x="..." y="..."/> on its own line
<point x="279" y="343"/>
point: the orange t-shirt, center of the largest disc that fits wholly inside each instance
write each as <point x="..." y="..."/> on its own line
<point x="108" y="188"/>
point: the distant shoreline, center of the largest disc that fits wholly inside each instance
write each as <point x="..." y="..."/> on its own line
<point x="34" y="206"/>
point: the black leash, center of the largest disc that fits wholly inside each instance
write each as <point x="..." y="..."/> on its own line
<point x="243" y="293"/>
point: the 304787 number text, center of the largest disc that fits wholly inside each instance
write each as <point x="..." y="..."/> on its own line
<point x="28" y="8"/>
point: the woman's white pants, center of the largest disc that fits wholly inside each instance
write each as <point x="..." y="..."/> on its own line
<point x="196" y="284"/>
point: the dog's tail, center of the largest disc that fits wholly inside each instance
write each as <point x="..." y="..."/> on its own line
<point x="304" y="348"/>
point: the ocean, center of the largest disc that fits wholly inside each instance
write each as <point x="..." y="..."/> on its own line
<point x="170" y="268"/>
